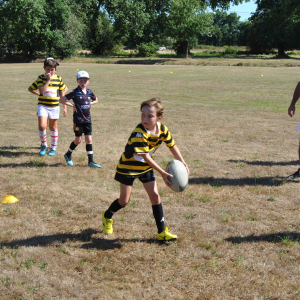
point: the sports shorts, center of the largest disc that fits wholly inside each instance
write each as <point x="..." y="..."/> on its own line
<point x="81" y="128"/>
<point x="128" y="179"/>
<point x="46" y="111"/>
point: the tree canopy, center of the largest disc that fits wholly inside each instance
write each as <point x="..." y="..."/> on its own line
<point x="276" y="24"/>
<point x="60" y="27"/>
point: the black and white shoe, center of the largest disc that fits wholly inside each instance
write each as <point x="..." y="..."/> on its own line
<point x="295" y="175"/>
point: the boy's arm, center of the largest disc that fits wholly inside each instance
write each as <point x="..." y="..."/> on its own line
<point x="61" y="94"/>
<point x="44" y="87"/>
<point x="156" y="167"/>
<point x="296" y="96"/>
<point x="94" y="101"/>
<point x="176" y="153"/>
<point x="35" y="92"/>
<point x="64" y="101"/>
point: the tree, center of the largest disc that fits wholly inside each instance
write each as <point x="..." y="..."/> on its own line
<point x="23" y="21"/>
<point x="223" y="4"/>
<point x="229" y="27"/>
<point x="187" y="18"/>
<point x="276" y="24"/>
<point x="54" y="26"/>
<point x="104" y="36"/>
<point x="139" y="21"/>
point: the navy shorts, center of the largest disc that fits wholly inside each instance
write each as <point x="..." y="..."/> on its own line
<point x="128" y="179"/>
<point x="81" y="128"/>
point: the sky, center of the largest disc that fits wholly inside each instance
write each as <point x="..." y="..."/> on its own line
<point x="243" y="10"/>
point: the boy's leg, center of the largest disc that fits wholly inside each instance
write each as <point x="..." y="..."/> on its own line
<point x="73" y="145"/>
<point x="43" y="134"/>
<point x="152" y="191"/>
<point x="89" y="151"/>
<point x="54" y="136"/>
<point x="125" y="191"/>
<point x="297" y="173"/>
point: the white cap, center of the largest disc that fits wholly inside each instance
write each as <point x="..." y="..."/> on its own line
<point x="83" y="74"/>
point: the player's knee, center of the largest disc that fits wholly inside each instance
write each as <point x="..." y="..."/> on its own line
<point x="124" y="202"/>
<point x="42" y="127"/>
<point x="155" y="199"/>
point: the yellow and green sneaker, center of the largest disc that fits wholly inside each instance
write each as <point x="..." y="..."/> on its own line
<point x="166" y="236"/>
<point x="107" y="224"/>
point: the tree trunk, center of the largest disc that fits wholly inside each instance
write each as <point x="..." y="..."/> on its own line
<point x="187" y="49"/>
<point x="281" y="51"/>
<point x="182" y="48"/>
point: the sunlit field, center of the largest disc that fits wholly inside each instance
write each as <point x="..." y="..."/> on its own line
<point x="238" y="221"/>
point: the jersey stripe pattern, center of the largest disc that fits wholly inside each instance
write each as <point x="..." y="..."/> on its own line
<point x="142" y="141"/>
<point x="51" y="96"/>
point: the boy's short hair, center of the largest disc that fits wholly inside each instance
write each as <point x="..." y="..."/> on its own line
<point x="50" y="62"/>
<point x="154" y="102"/>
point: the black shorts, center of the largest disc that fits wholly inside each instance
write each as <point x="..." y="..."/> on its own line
<point x="128" y="179"/>
<point x="81" y="128"/>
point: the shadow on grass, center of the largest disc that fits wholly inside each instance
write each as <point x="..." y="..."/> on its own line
<point x="286" y="237"/>
<point x="59" y="239"/>
<point x="33" y="163"/>
<point x="255" y="181"/>
<point x="266" y="163"/>
<point x="85" y="237"/>
<point x="13" y="151"/>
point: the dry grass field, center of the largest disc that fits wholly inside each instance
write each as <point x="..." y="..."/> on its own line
<point x="238" y="221"/>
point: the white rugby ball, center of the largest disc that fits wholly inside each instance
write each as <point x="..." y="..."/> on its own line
<point x="180" y="177"/>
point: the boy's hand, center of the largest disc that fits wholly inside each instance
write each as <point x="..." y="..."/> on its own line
<point x="48" y="76"/>
<point x="291" y="110"/>
<point x="165" y="176"/>
<point x="187" y="168"/>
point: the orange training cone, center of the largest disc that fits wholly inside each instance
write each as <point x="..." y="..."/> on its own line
<point x="9" y="199"/>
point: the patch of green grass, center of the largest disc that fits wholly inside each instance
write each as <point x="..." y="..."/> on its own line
<point x="37" y="162"/>
<point x="6" y="280"/>
<point x="189" y="216"/>
<point x="42" y="266"/>
<point x="132" y="203"/>
<point x="62" y="251"/>
<point x="272" y="197"/>
<point x="288" y="241"/>
<point x="206" y="245"/>
<point x="204" y="198"/>
<point x="56" y="212"/>
<point x="27" y="264"/>
<point x="82" y="157"/>
<point x="240" y="260"/>
<point x="33" y="289"/>
<point x="224" y="215"/>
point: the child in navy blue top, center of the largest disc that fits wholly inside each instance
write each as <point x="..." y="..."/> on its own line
<point x="83" y="98"/>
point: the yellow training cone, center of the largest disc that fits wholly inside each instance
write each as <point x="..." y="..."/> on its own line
<point x="9" y="199"/>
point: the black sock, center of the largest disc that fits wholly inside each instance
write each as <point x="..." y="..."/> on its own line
<point x="89" y="150"/>
<point x="114" y="207"/>
<point x="159" y="217"/>
<point x="71" y="149"/>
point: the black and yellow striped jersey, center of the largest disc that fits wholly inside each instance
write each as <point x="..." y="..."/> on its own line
<point x="142" y="141"/>
<point x="51" y="96"/>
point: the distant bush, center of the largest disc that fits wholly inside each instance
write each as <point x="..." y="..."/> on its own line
<point x="293" y="53"/>
<point x="231" y="50"/>
<point x="147" y="49"/>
